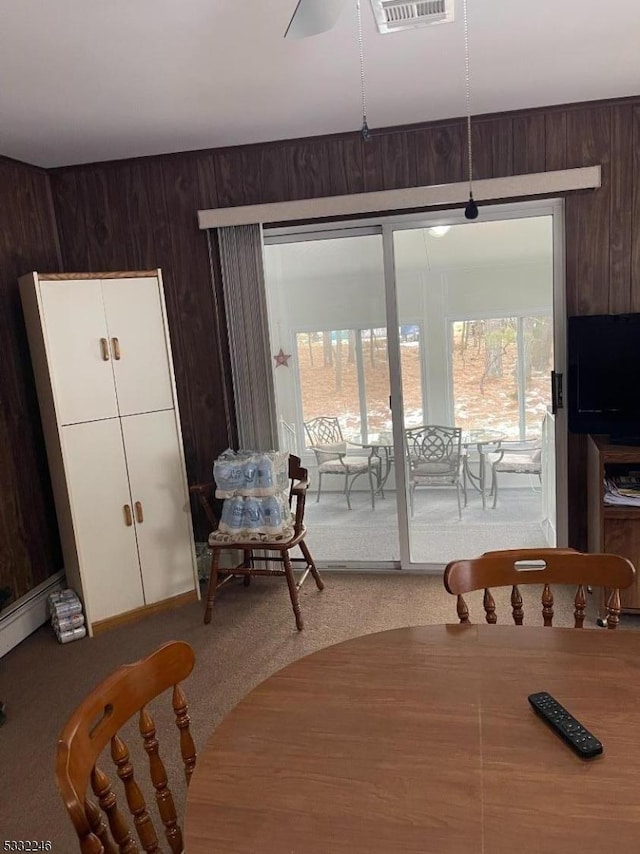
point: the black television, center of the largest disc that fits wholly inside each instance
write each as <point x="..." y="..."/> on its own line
<point x="603" y="386"/>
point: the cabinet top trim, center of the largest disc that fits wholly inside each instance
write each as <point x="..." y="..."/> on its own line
<point x="129" y="274"/>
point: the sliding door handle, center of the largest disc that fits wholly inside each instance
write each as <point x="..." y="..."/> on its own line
<point x="104" y="345"/>
<point x="139" y="513"/>
<point x="557" y="393"/>
<point x="116" y="349"/>
<point x="128" y="518"/>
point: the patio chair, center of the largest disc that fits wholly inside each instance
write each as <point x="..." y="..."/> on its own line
<point x="434" y="455"/>
<point x="514" y="458"/>
<point x="330" y="448"/>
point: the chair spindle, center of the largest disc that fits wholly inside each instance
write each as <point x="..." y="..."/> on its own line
<point x="463" y="610"/>
<point x="109" y="804"/>
<point x="187" y="747"/>
<point x="547" y="605"/>
<point x="613" y="608"/>
<point x="164" y="798"/>
<point x="137" y="806"/>
<point x="489" y="606"/>
<point x="516" y="605"/>
<point x="98" y="841"/>
<point x="580" y="603"/>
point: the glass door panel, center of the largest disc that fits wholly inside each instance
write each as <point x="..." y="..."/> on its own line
<point x="479" y="299"/>
<point x="327" y="307"/>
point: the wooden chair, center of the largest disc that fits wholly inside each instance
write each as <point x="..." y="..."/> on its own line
<point x="513" y="567"/>
<point x="297" y="497"/>
<point x="95" y="724"/>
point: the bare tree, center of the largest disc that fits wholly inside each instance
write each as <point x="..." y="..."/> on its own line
<point x="327" y="349"/>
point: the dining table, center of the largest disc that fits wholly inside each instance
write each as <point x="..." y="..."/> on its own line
<point x="422" y="739"/>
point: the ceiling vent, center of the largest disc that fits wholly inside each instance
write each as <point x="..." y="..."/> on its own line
<point x="392" y="15"/>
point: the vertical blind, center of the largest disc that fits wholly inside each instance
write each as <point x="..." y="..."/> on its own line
<point x="246" y="309"/>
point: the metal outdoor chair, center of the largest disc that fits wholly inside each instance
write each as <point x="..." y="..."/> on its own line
<point x="514" y="458"/>
<point x="434" y="456"/>
<point x="330" y="448"/>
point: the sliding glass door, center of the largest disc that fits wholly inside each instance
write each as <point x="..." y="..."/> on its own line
<point x="414" y="382"/>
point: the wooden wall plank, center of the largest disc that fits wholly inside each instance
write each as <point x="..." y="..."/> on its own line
<point x="621" y="209"/>
<point x="440" y="154"/>
<point x="29" y="543"/>
<point x="634" y="180"/>
<point x="555" y="135"/>
<point x="588" y="213"/>
<point x="388" y="161"/>
<point x="529" y="143"/>
<point x="346" y="173"/>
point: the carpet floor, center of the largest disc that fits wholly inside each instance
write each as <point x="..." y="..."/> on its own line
<point x="251" y="636"/>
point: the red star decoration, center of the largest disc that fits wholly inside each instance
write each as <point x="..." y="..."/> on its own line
<point x="282" y="358"/>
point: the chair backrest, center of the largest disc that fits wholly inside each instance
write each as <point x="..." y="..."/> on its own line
<point x="96" y="723"/>
<point x="324" y="430"/>
<point x="298" y="490"/>
<point x="514" y="567"/>
<point x="433" y="443"/>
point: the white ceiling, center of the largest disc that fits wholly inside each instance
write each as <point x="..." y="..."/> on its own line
<point x="86" y="80"/>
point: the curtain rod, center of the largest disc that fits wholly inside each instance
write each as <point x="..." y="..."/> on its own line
<point x="488" y="189"/>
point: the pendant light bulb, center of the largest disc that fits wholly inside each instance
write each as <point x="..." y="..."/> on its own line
<point x="471" y="210"/>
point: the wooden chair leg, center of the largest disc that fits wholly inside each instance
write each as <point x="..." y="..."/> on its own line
<point x="312" y="565"/>
<point x="213" y="583"/>
<point x="293" y="590"/>
<point x="248" y="564"/>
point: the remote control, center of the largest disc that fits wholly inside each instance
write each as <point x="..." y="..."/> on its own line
<point x="567" y="727"/>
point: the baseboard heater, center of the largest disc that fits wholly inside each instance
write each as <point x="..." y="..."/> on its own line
<point x="26" y="615"/>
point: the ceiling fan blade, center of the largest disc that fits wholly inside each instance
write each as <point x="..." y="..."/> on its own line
<point x="312" y="17"/>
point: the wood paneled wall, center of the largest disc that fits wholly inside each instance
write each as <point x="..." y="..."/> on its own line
<point x="29" y="544"/>
<point x="142" y="213"/>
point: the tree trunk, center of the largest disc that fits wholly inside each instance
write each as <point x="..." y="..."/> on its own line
<point x="339" y="360"/>
<point x="327" y="349"/>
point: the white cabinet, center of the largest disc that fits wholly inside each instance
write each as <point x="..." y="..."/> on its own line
<point x="102" y="362"/>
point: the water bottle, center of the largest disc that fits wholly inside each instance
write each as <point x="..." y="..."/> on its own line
<point x="250" y="472"/>
<point x="224" y="526"/>
<point x="236" y="514"/>
<point x="265" y="475"/>
<point x="251" y="516"/>
<point x="272" y="515"/>
<point x="228" y="475"/>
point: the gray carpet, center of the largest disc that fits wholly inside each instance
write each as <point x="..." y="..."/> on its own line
<point x="251" y="636"/>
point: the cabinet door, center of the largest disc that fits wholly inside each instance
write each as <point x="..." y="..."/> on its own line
<point x="75" y="330"/>
<point x="161" y="504"/>
<point x="99" y="491"/>
<point x="138" y="344"/>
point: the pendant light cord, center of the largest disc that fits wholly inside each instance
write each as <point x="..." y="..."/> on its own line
<point x="468" y="95"/>
<point x="365" y="127"/>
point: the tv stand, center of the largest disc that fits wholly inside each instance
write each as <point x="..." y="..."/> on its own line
<point x="614" y="529"/>
<point x="618" y="439"/>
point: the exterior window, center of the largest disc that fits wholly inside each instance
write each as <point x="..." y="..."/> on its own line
<point x="500" y="370"/>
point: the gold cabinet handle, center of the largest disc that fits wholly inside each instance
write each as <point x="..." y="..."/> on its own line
<point x="139" y="514"/>
<point x="104" y="344"/>
<point x="116" y="349"/>
<point x="128" y="519"/>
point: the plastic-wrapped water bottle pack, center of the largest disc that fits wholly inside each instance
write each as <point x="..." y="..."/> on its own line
<point x="251" y="473"/>
<point x="255" y="488"/>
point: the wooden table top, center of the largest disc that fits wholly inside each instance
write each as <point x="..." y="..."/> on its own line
<point x="422" y="740"/>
